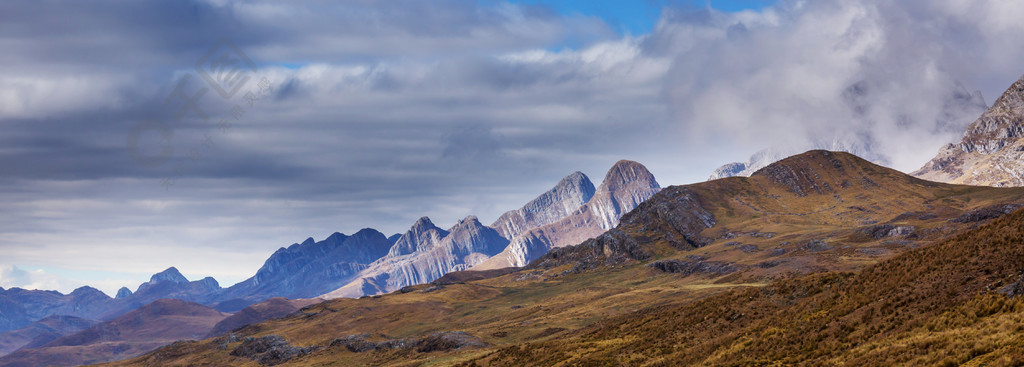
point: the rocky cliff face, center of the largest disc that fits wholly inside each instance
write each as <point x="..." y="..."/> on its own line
<point x="991" y="152"/>
<point x="564" y="199"/>
<point x="421" y="237"/>
<point x="625" y="186"/>
<point x="434" y="253"/>
<point x="313" y="268"/>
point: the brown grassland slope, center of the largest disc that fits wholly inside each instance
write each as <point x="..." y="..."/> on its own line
<point x="957" y="302"/>
<point x="705" y="273"/>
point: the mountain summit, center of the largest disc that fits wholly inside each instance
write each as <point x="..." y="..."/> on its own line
<point x="563" y="199"/>
<point x="423" y="254"/>
<point x="991" y="152"/>
<point x="170" y="275"/>
<point x="625" y="186"/>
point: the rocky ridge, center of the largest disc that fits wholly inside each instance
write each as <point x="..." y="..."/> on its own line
<point x="991" y="152"/>
<point x="423" y="254"/>
<point x="311" y="268"/>
<point x="625" y="186"/>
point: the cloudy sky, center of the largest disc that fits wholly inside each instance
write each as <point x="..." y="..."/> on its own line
<point x="126" y="147"/>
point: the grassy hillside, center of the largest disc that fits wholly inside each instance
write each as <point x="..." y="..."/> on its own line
<point x="957" y="302"/>
<point x="703" y="273"/>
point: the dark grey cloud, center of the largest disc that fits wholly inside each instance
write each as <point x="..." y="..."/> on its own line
<point x="378" y="113"/>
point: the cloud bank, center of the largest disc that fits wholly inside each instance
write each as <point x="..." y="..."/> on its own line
<point x="378" y="113"/>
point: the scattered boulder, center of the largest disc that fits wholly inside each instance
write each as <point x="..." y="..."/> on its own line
<point x="748" y="248"/>
<point x="1013" y="289"/>
<point x="270" y="350"/>
<point x="986" y="213"/>
<point x="690" y="267"/>
<point x="355" y="343"/>
<point x="440" y="341"/>
<point x="816" y="246"/>
<point x="448" y="340"/>
<point x="888" y="230"/>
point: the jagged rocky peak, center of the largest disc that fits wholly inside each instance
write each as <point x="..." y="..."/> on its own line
<point x="626" y="185"/>
<point x="470" y="221"/>
<point x="628" y="173"/>
<point x="337" y="237"/>
<point x="124" y="292"/>
<point x="991" y="151"/>
<point x="568" y="195"/>
<point x="421" y="236"/>
<point x="362" y="234"/>
<point x="87" y="291"/>
<point x="1003" y="123"/>
<point x="170" y="275"/>
<point x="471" y="236"/>
<point x="209" y="283"/>
<point x="422" y="225"/>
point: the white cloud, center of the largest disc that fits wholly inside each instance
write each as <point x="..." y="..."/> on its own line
<point x="405" y="109"/>
<point x="886" y="75"/>
<point x="12" y="276"/>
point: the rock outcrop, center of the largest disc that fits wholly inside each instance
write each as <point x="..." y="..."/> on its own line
<point x="625" y="186"/>
<point x="424" y="254"/>
<point x="559" y="202"/>
<point x="991" y="152"/>
<point x="313" y="268"/>
<point x="269" y="350"/>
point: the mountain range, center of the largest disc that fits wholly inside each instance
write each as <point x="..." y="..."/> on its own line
<point x="821" y="258"/>
<point x="681" y="268"/>
<point x="365" y="263"/>
<point x="571" y="211"/>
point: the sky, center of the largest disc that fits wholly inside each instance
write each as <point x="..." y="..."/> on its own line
<point x="128" y="144"/>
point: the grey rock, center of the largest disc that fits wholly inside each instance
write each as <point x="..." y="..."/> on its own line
<point x="312" y="268"/>
<point x="690" y="267"/>
<point x="625" y="186"/>
<point x="562" y="200"/>
<point x="437" y="342"/>
<point x="426" y="254"/>
<point x="990" y="152"/>
<point x="270" y="350"/>
<point x="986" y="213"/>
